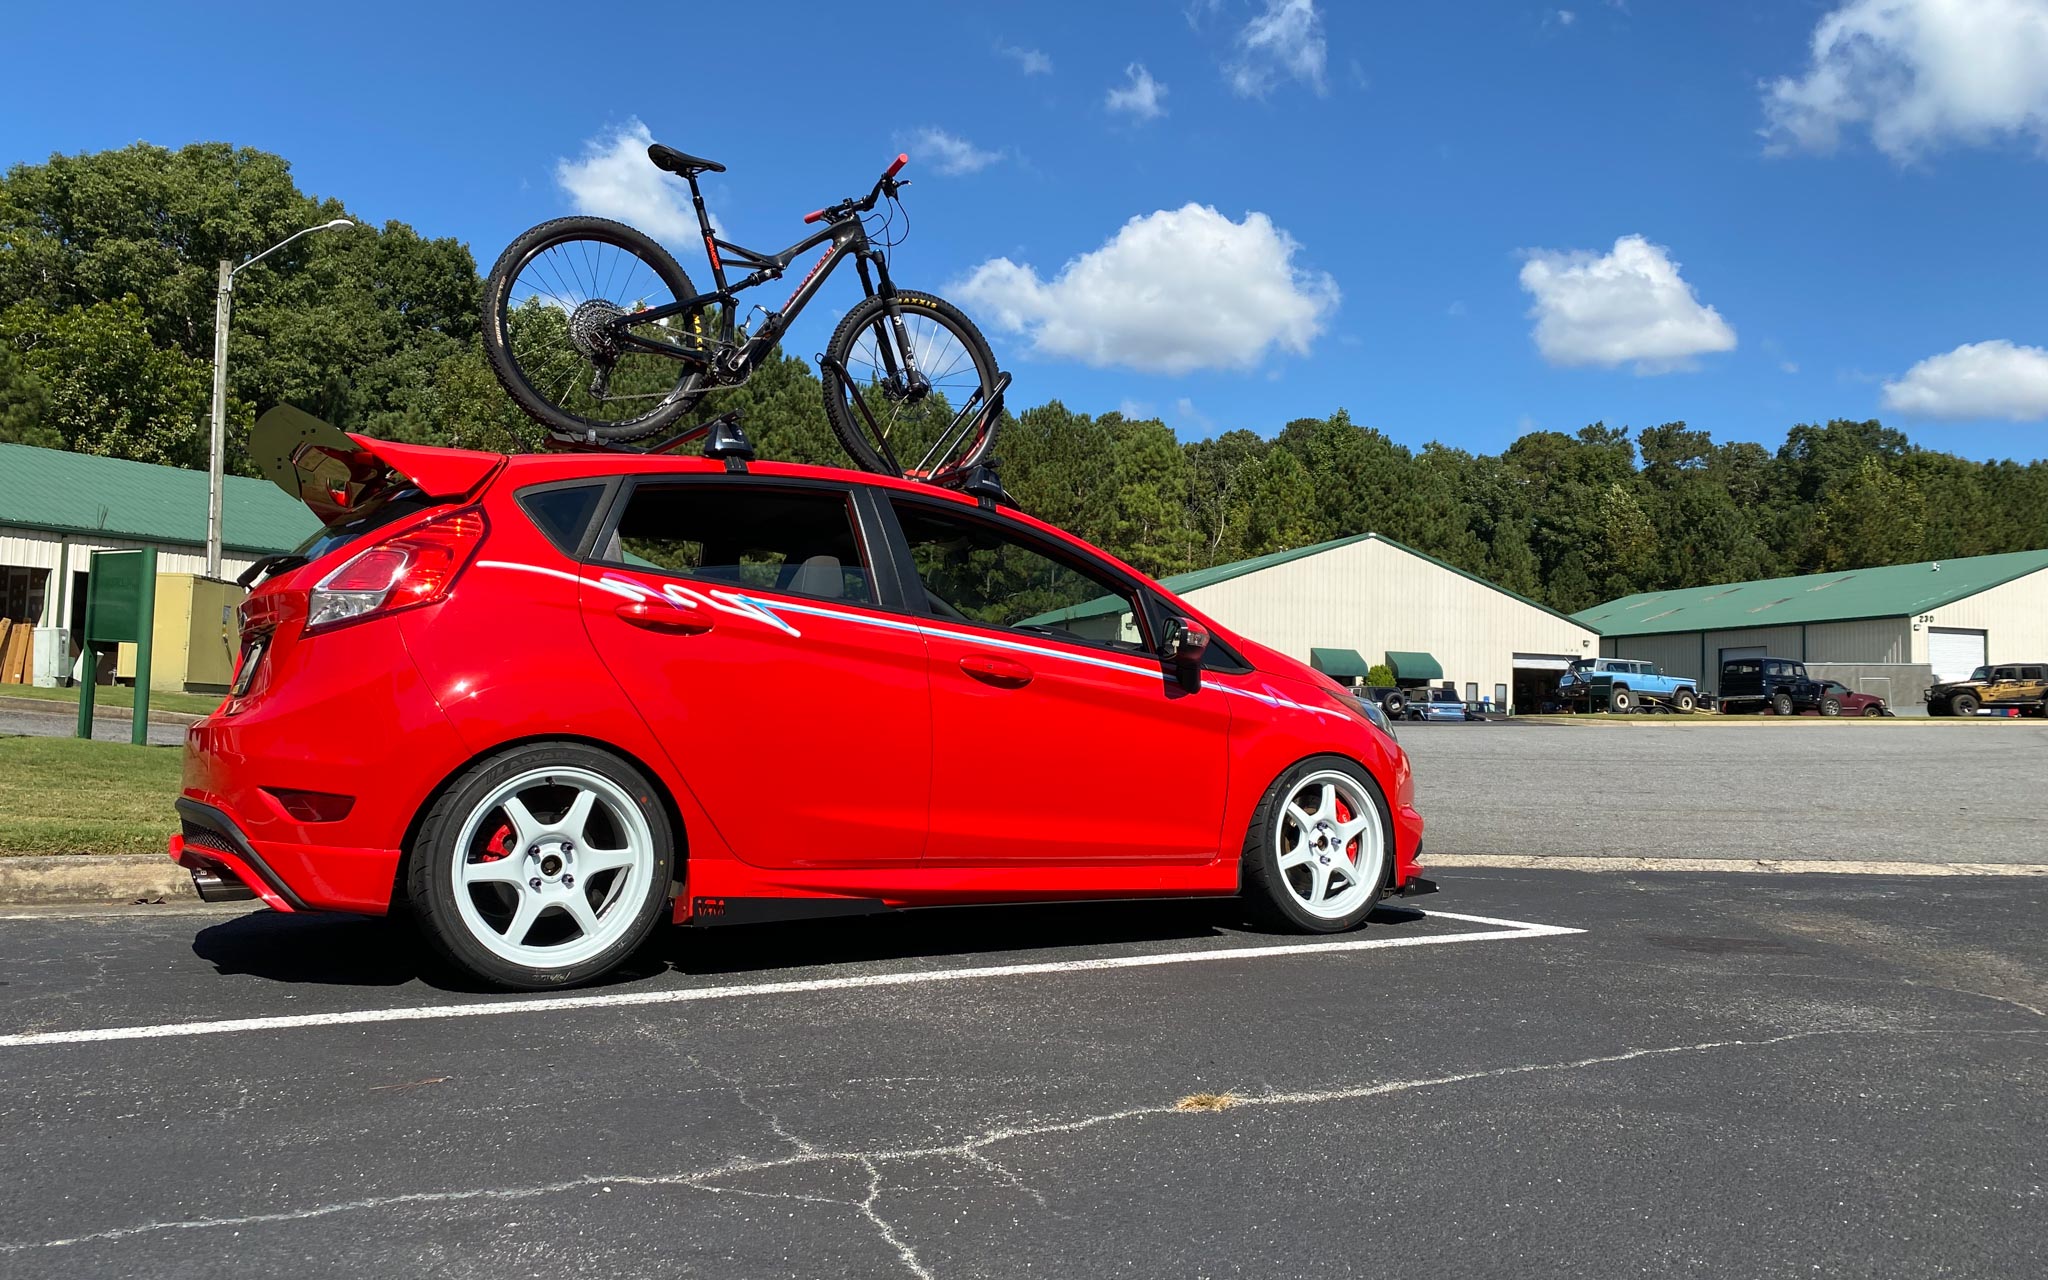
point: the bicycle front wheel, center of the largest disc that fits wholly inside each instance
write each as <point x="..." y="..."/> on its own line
<point x="550" y="318"/>
<point x="923" y="390"/>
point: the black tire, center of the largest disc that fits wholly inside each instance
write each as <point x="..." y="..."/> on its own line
<point x="1781" y="704"/>
<point x="1831" y="706"/>
<point x="1872" y="713"/>
<point x="1963" y="704"/>
<point x="431" y="881"/>
<point x="1621" y="700"/>
<point x="1685" y="701"/>
<point x="1393" y="704"/>
<point x="911" y="429"/>
<point x="1266" y="897"/>
<point x="560" y="406"/>
<point x="1940" y="707"/>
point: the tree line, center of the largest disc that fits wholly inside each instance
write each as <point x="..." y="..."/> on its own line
<point x="107" y="273"/>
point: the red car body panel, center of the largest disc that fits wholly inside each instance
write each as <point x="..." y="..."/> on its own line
<point x="912" y="759"/>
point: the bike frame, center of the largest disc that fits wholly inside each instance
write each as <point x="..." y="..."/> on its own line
<point x="849" y="239"/>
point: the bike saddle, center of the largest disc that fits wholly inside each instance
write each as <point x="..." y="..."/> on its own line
<point x="681" y="163"/>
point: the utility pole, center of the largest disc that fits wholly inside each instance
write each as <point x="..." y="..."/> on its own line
<point x="216" y="456"/>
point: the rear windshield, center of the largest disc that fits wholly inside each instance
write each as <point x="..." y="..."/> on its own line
<point x="375" y="516"/>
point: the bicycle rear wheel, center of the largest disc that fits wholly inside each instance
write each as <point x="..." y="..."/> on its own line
<point x="932" y="429"/>
<point x="548" y="307"/>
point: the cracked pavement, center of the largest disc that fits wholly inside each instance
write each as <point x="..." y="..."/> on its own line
<point x="1724" y="1075"/>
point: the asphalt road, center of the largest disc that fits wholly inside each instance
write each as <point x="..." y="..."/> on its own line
<point x="1925" y="791"/>
<point x="18" y="718"/>
<point x="1720" y="1076"/>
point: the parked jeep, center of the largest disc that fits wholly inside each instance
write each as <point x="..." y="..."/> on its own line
<point x="1996" y="688"/>
<point x="1776" y="684"/>
<point x="1626" y="683"/>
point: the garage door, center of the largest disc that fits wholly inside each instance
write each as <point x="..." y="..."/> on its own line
<point x="1954" y="654"/>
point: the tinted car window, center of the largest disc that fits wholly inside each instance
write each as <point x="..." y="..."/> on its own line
<point x="800" y="542"/>
<point x="976" y="572"/>
<point x="563" y="513"/>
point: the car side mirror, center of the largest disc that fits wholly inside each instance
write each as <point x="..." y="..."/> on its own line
<point x="1187" y="641"/>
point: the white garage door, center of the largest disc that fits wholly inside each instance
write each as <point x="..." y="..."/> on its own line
<point x="1954" y="654"/>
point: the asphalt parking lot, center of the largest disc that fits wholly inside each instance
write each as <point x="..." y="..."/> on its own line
<point x="1893" y="790"/>
<point x="1717" y="1075"/>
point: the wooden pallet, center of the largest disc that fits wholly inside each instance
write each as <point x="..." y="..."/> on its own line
<point x="17" y="653"/>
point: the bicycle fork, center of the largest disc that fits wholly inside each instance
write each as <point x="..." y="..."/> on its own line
<point x="905" y="381"/>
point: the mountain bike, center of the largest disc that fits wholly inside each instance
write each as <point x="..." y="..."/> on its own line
<point x="599" y="335"/>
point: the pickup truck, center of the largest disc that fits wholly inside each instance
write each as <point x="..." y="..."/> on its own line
<point x="1625" y="684"/>
<point x="1779" y="684"/>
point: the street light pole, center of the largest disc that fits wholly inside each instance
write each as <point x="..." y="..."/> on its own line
<point x="216" y="458"/>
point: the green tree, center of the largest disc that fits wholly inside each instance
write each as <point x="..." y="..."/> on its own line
<point x="24" y="403"/>
<point x="108" y="389"/>
<point x="1874" y="517"/>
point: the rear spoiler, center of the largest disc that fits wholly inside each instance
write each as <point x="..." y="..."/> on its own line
<point x="337" y="474"/>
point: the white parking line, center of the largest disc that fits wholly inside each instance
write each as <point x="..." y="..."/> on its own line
<point x="1505" y="930"/>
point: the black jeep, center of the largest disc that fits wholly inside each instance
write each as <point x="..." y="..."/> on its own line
<point x="1782" y="685"/>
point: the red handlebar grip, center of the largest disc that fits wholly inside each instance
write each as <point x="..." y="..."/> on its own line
<point x="814" y="215"/>
<point x="894" y="169"/>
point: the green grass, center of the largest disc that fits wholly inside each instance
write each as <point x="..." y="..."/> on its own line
<point x="66" y="795"/>
<point x="118" y="696"/>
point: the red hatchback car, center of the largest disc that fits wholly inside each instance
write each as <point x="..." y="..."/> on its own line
<point x="545" y="701"/>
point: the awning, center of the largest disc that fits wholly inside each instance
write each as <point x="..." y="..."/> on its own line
<point x="1339" y="664"/>
<point x="1414" y="666"/>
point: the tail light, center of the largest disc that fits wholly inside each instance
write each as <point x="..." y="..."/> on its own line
<point x="413" y="568"/>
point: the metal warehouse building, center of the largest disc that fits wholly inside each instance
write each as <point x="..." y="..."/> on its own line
<point x="1886" y="631"/>
<point x="58" y="507"/>
<point x="1346" y="604"/>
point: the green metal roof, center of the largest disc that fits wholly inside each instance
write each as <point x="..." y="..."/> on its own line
<point x="79" y="493"/>
<point x="1891" y="591"/>
<point x="1339" y="664"/>
<point x="1414" y="666"/>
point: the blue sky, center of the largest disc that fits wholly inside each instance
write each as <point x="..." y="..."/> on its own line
<point x="1458" y="222"/>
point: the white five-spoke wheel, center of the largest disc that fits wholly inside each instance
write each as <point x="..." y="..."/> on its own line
<point x="1316" y="857"/>
<point x="544" y="866"/>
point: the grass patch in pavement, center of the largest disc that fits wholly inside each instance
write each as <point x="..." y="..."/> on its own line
<point x="66" y="795"/>
<point x="120" y="697"/>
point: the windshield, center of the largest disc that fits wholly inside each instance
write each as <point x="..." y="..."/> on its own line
<point x="1981" y="673"/>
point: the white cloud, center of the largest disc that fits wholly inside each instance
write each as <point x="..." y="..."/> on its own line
<point x="1031" y="61"/>
<point x="1285" y="41"/>
<point x="1170" y="292"/>
<point x="953" y="154"/>
<point x="1976" y="380"/>
<point x="615" y="179"/>
<point x="1916" y="73"/>
<point x="1142" y="97"/>
<point x="1613" y="308"/>
<point x="1135" y="410"/>
<point x="1187" y="416"/>
<point x="1565" y="17"/>
<point x="1788" y="366"/>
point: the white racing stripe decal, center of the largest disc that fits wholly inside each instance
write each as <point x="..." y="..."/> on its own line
<point x="1502" y="931"/>
<point x="769" y="611"/>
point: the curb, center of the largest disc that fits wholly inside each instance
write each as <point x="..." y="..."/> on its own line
<point x="69" y="879"/>
<point x="70" y="709"/>
<point x="1750" y="866"/>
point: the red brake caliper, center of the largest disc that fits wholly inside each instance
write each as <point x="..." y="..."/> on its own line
<point x="500" y="844"/>
<point x="1344" y="815"/>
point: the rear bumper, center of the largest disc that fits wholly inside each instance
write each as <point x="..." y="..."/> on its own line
<point x="225" y="867"/>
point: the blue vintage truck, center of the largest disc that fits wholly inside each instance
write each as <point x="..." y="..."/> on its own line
<point x="1626" y="684"/>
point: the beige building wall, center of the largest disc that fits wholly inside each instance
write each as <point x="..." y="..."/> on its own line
<point x="1677" y="655"/>
<point x="34" y="549"/>
<point x="1867" y="640"/>
<point x="2014" y="617"/>
<point x="1372" y="597"/>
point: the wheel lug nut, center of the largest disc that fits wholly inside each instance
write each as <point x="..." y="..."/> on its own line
<point x="533" y="852"/>
<point x="535" y="882"/>
<point x="568" y="881"/>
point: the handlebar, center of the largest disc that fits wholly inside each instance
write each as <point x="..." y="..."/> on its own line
<point x="886" y="184"/>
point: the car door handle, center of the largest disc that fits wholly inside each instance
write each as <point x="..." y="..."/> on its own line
<point x="660" y="615"/>
<point x="1001" y="672"/>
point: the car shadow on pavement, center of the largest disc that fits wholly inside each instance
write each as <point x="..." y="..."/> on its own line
<point x="962" y="931"/>
<point x="364" y="951"/>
